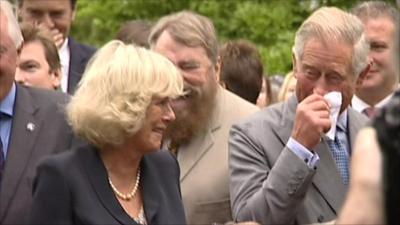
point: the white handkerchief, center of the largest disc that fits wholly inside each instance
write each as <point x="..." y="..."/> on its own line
<point x="335" y="99"/>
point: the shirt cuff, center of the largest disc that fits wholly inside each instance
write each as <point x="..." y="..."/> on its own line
<point x="311" y="159"/>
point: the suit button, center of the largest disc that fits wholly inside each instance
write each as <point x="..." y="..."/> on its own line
<point x="320" y="218"/>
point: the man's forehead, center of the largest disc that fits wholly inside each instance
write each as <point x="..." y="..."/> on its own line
<point x="48" y="5"/>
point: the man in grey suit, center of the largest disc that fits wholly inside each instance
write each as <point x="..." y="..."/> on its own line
<point x="282" y="170"/>
<point x="32" y="125"/>
<point x="199" y="135"/>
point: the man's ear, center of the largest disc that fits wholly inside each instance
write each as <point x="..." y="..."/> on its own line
<point x="362" y="75"/>
<point x="56" y="78"/>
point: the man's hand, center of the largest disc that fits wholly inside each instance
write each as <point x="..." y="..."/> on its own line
<point x="57" y="36"/>
<point x="311" y="121"/>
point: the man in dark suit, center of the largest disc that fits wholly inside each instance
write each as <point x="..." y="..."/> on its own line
<point x="32" y="125"/>
<point x="284" y="168"/>
<point x="57" y="16"/>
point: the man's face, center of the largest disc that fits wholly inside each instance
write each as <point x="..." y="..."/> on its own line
<point x="33" y="68"/>
<point x="56" y="15"/>
<point x="382" y="75"/>
<point x="8" y="58"/>
<point x="325" y="68"/>
<point x="199" y="74"/>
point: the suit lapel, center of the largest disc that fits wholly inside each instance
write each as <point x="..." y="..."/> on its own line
<point x="150" y="191"/>
<point x="285" y="127"/>
<point x="22" y="141"/>
<point x="356" y="122"/>
<point x="97" y="175"/>
<point x="327" y="179"/>
<point x="190" y="154"/>
<point x="76" y="61"/>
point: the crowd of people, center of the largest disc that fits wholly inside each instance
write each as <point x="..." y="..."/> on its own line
<point x="165" y="125"/>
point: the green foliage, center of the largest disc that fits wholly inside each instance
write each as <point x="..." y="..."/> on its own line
<point x="270" y="24"/>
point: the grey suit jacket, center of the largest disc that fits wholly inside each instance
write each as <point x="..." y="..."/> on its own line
<point x="270" y="184"/>
<point x="204" y="163"/>
<point x="51" y="134"/>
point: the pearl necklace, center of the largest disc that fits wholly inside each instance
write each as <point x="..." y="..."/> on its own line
<point x="129" y="196"/>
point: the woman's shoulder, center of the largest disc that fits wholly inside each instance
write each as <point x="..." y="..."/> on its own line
<point x="64" y="159"/>
<point x="162" y="160"/>
<point x="161" y="157"/>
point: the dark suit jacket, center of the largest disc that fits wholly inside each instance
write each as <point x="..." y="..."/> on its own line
<point x="73" y="188"/>
<point x="272" y="185"/>
<point x="80" y="55"/>
<point x="27" y="146"/>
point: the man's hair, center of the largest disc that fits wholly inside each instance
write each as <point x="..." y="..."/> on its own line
<point x="378" y="9"/>
<point x="189" y="29"/>
<point x="73" y="3"/>
<point x="33" y="33"/>
<point x="242" y="69"/>
<point x="13" y="28"/>
<point x="135" y="32"/>
<point x="117" y="87"/>
<point x="332" y="24"/>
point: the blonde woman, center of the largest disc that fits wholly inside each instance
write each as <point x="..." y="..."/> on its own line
<point x="122" y="107"/>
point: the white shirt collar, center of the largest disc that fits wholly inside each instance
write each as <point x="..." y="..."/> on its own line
<point x="359" y="105"/>
<point x="64" y="54"/>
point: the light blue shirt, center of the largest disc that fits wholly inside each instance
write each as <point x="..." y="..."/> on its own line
<point x="7" y="109"/>
<point x="312" y="159"/>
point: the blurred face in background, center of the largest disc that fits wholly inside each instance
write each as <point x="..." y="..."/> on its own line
<point x="33" y="68"/>
<point x="382" y="75"/>
<point x="56" y="15"/>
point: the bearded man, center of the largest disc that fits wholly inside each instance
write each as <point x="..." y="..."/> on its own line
<point x="199" y="135"/>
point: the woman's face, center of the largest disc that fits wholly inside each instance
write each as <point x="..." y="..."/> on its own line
<point x="33" y="68"/>
<point x="158" y="116"/>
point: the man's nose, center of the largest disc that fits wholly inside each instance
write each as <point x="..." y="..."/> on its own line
<point x="47" y="21"/>
<point x="321" y="86"/>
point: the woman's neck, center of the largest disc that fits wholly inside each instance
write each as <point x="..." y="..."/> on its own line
<point x="122" y="162"/>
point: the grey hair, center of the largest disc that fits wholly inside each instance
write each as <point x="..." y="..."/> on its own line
<point x="190" y="29"/>
<point x="14" y="30"/>
<point x="331" y="23"/>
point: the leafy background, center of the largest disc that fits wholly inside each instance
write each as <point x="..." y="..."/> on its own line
<point x="270" y="24"/>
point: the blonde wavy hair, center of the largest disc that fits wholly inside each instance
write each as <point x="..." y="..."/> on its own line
<point x="116" y="89"/>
